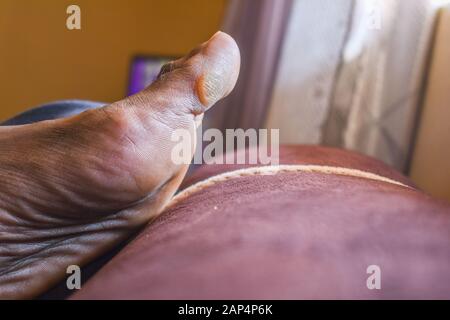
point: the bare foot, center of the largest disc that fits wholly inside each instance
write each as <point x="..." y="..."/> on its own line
<point x="73" y="188"/>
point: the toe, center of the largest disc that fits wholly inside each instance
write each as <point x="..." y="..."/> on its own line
<point x="197" y="81"/>
<point x="219" y="59"/>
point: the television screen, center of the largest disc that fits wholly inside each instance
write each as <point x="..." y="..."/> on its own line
<point x="143" y="71"/>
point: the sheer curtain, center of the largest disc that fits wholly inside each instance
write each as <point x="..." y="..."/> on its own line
<point x="351" y="75"/>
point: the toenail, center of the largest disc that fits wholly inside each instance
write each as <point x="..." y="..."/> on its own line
<point x="209" y="87"/>
<point x="201" y="90"/>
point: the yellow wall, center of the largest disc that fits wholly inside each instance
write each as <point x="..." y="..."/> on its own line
<point x="430" y="165"/>
<point x="40" y="60"/>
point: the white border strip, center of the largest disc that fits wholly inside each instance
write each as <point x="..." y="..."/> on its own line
<point x="271" y="170"/>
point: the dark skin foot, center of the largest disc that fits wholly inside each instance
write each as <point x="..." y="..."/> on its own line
<point x="73" y="188"/>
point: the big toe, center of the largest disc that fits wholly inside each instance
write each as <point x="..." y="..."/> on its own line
<point x="195" y="82"/>
<point x="217" y="67"/>
<point x="184" y="89"/>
